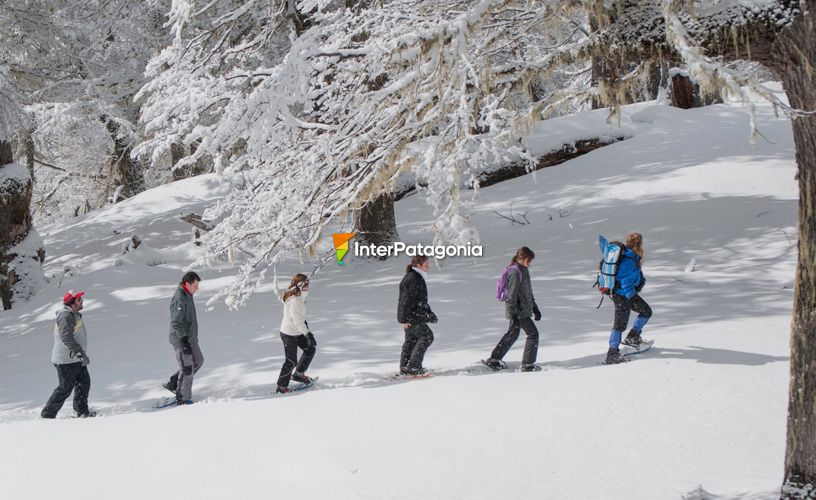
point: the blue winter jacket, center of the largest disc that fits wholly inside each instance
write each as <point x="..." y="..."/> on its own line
<point x="629" y="275"/>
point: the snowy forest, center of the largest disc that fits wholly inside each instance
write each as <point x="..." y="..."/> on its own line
<point x="319" y="115"/>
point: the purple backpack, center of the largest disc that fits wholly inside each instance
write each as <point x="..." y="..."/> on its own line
<point x="501" y="285"/>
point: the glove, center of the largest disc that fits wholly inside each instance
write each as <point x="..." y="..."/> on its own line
<point x="641" y="284"/>
<point x="83" y="358"/>
<point x="310" y="340"/>
<point x="536" y="313"/>
<point x="432" y="317"/>
<point x="186" y="348"/>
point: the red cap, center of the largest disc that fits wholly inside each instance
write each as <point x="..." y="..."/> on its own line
<point x="70" y="295"/>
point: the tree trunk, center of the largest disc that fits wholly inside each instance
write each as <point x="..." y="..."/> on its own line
<point x="203" y="165"/>
<point x="596" y="66"/>
<point x="682" y="92"/>
<point x="302" y="21"/>
<point x="126" y="178"/>
<point x="375" y="222"/>
<point x="16" y="187"/>
<point x="795" y="64"/>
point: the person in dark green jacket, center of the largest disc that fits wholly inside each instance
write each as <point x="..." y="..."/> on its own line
<point x="184" y="339"/>
<point x="519" y="307"/>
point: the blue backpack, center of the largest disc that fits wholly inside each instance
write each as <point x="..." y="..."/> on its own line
<point x="608" y="266"/>
<point x="501" y="285"/>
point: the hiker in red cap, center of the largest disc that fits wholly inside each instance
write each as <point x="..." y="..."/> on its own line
<point x="70" y="358"/>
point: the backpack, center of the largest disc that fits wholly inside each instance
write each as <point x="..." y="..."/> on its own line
<point x="608" y="266"/>
<point x="501" y="285"/>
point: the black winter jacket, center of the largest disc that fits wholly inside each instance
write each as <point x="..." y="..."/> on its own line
<point x="413" y="305"/>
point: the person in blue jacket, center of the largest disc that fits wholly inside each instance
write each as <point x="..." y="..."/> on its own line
<point x="626" y="296"/>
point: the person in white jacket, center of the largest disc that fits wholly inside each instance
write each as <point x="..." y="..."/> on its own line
<point x="295" y="333"/>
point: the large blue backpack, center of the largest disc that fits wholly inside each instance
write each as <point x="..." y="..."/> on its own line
<point x="608" y="266"/>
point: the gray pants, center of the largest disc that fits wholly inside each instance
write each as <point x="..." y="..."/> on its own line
<point x="189" y="364"/>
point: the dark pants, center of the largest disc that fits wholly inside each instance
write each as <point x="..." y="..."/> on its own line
<point x="291" y="343"/>
<point x="418" y="338"/>
<point x="72" y="377"/>
<point x="509" y="338"/>
<point x="623" y="308"/>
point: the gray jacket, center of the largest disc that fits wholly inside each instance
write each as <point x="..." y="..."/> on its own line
<point x="70" y="337"/>
<point x="183" y="322"/>
<point x="520" y="302"/>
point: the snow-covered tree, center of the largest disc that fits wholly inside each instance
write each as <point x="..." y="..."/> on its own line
<point x="21" y="249"/>
<point x="79" y="63"/>
<point x="367" y="94"/>
<point x="363" y="96"/>
<point x="781" y="35"/>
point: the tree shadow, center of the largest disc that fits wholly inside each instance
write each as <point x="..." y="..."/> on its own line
<point x="706" y="355"/>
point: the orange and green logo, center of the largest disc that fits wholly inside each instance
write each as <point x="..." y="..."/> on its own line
<point x="341" y="245"/>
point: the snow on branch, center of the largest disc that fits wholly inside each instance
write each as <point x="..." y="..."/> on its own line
<point x="358" y="99"/>
<point x="712" y="74"/>
<point x="12" y="116"/>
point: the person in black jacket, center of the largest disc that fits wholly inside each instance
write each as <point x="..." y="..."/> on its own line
<point x="414" y="313"/>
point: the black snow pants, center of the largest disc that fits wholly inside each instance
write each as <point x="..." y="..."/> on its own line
<point x="291" y="343"/>
<point x="624" y="307"/>
<point x="72" y="377"/>
<point x="418" y="338"/>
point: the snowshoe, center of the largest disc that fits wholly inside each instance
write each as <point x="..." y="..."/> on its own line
<point x="613" y="357"/>
<point x="633" y="339"/>
<point x="644" y="346"/>
<point x="409" y="374"/>
<point x="302" y="378"/>
<point x="495" y="364"/>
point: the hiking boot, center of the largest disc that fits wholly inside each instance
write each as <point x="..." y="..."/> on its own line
<point x="414" y="371"/>
<point x="283" y="390"/>
<point x="530" y="367"/>
<point x="613" y="357"/>
<point x="495" y="364"/>
<point x="169" y="386"/>
<point x="633" y="339"/>
<point x="89" y="414"/>
<point x="302" y="378"/>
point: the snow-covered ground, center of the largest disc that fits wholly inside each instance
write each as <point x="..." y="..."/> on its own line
<point x="703" y="411"/>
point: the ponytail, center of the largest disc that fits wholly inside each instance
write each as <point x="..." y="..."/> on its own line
<point x="416" y="261"/>
<point x="522" y="253"/>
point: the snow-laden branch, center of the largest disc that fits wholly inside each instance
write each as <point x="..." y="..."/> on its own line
<point x="359" y="99"/>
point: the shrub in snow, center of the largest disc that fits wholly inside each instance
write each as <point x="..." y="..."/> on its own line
<point x="136" y="251"/>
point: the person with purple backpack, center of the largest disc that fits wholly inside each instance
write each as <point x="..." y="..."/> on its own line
<point x="516" y="291"/>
